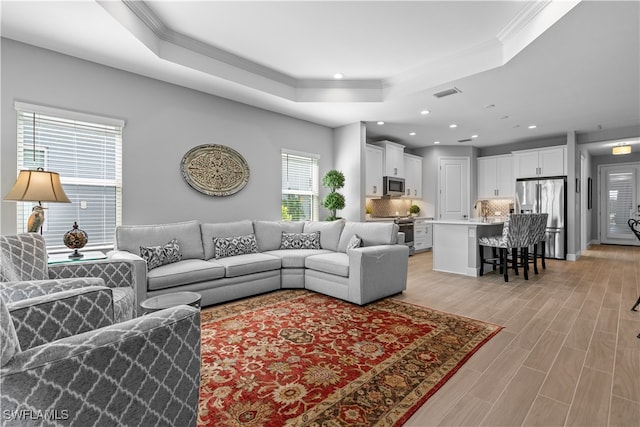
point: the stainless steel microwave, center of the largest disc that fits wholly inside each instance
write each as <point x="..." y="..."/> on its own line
<point x="393" y="186"/>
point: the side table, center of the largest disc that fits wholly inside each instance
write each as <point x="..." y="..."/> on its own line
<point x="64" y="257"/>
<point x="163" y="301"/>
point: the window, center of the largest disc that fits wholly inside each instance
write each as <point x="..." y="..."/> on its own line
<point x="87" y="153"/>
<point x="299" y="186"/>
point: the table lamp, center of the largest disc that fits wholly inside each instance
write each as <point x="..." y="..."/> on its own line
<point x="37" y="186"/>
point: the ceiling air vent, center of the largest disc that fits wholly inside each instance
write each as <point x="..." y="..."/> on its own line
<point x="447" y="92"/>
<point x="465" y="140"/>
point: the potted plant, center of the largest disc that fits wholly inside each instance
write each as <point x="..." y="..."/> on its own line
<point x="414" y="210"/>
<point x="333" y="201"/>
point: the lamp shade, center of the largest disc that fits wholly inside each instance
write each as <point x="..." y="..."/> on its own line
<point x="37" y="186"/>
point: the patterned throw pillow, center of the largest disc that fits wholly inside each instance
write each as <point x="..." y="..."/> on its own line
<point x="161" y="255"/>
<point x="237" y="245"/>
<point x="354" y="242"/>
<point x="300" y="240"/>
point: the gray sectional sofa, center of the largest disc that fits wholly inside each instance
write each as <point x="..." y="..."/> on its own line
<point x="354" y="261"/>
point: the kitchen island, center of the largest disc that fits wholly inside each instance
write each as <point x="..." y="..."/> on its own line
<point x="455" y="244"/>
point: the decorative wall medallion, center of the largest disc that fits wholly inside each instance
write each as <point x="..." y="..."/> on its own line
<point x="215" y="170"/>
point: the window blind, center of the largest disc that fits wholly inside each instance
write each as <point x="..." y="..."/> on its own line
<point x="88" y="157"/>
<point x="299" y="187"/>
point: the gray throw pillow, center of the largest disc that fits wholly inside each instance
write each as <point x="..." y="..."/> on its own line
<point x="354" y="242"/>
<point x="161" y="255"/>
<point x="300" y="240"/>
<point x="237" y="245"/>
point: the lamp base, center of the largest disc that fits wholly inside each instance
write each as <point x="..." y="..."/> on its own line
<point x="36" y="219"/>
<point x="76" y="255"/>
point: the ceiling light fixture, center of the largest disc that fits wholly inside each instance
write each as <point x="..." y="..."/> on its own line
<point x="474" y="136"/>
<point x="338" y="76"/>
<point x="436" y="142"/>
<point x="381" y="123"/>
<point x="621" y="149"/>
<point x="412" y="134"/>
<point x="425" y="112"/>
<point x="453" y="125"/>
<point x="532" y="126"/>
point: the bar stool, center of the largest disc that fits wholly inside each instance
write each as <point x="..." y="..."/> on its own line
<point x="539" y="230"/>
<point x="517" y="236"/>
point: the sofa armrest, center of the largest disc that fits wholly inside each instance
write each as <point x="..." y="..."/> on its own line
<point x="12" y="292"/>
<point x="149" y="365"/>
<point x="48" y="318"/>
<point x="377" y="271"/>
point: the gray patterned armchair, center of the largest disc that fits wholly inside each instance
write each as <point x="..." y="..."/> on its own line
<point x="63" y="362"/>
<point x="24" y="273"/>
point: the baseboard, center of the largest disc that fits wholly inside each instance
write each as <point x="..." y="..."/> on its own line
<point x="573" y="257"/>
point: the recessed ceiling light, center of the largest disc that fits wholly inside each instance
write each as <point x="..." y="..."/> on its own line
<point x="453" y="125"/>
<point x="489" y="106"/>
<point x="474" y="136"/>
<point x="504" y="117"/>
<point x="425" y="112"/>
<point x="436" y="142"/>
<point x="412" y="134"/>
<point x="380" y="123"/>
<point x="338" y="76"/>
<point x="516" y="126"/>
<point x="532" y="126"/>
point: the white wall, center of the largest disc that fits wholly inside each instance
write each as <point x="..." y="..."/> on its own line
<point x="163" y="122"/>
<point x="349" y="154"/>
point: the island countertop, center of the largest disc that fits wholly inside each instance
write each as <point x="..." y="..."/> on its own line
<point x="455" y="244"/>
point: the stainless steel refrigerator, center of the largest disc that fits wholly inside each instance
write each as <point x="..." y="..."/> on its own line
<point x="546" y="195"/>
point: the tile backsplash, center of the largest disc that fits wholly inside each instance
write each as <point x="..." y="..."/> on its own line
<point x="493" y="207"/>
<point x="388" y="207"/>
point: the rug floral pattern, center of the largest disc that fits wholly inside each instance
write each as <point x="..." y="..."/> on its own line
<point x="295" y="358"/>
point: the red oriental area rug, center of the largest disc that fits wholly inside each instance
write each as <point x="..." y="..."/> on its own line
<point x="294" y="358"/>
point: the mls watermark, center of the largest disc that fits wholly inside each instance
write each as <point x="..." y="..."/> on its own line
<point x="35" y="415"/>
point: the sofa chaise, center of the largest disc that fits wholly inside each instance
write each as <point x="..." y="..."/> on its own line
<point x="353" y="261"/>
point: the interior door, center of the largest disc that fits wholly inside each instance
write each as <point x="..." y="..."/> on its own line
<point x="453" y="187"/>
<point x="619" y="199"/>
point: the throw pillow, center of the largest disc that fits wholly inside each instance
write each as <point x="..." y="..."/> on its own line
<point x="354" y="242"/>
<point x="161" y="255"/>
<point x="236" y="245"/>
<point x="300" y="240"/>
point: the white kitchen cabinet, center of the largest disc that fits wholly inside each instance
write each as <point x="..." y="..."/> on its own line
<point x="495" y="177"/>
<point x="412" y="176"/>
<point x="393" y="159"/>
<point x="422" y="235"/>
<point x="374" y="166"/>
<point x="541" y="162"/>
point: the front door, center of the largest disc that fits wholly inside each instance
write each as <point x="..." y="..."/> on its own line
<point x="619" y="200"/>
<point x="453" y="188"/>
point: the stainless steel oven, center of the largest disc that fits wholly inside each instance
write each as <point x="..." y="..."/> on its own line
<point x="406" y="226"/>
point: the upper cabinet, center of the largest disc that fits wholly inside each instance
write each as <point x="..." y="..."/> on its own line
<point x="412" y="176"/>
<point x="495" y="177"/>
<point x="374" y="167"/>
<point x="541" y="162"/>
<point x="393" y="159"/>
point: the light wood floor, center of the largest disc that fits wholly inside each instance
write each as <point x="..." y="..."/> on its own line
<point x="568" y="354"/>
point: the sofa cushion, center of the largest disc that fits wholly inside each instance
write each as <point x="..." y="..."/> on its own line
<point x="294" y="258"/>
<point x="330" y="232"/>
<point x="130" y="237"/>
<point x="183" y="273"/>
<point x="223" y="229"/>
<point x="161" y="255"/>
<point x="336" y="263"/>
<point x="269" y="233"/>
<point x="300" y="240"/>
<point x="371" y="234"/>
<point x="236" y="245"/>
<point x="241" y="265"/>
